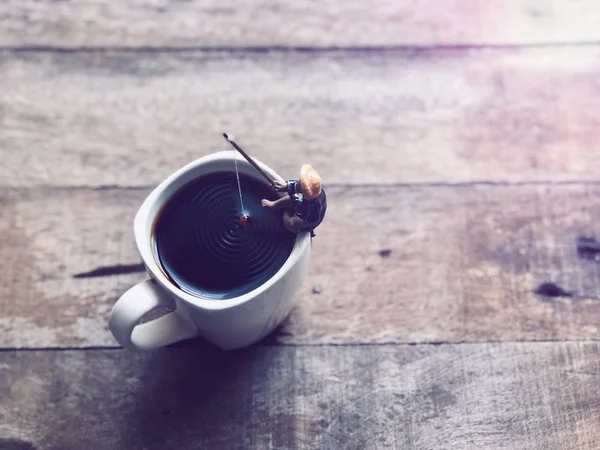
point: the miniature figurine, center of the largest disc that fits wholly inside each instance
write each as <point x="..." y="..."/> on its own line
<point x="304" y="204"/>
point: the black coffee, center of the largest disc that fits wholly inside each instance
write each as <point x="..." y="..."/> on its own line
<point x="205" y="247"/>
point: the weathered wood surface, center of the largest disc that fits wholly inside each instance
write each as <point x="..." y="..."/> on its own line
<point x="395" y="264"/>
<point x="410" y="117"/>
<point x="485" y="396"/>
<point x="218" y="23"/>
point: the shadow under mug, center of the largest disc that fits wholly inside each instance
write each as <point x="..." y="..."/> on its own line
<point x="228" y="323"/>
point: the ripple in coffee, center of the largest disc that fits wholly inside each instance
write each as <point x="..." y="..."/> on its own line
<point x="204" y="247"/>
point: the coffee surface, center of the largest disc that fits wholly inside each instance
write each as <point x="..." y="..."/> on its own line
<point x="204" y="246"/>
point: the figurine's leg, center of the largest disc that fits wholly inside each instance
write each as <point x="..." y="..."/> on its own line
<point x="285" y="202"/>
<point x="292" y="222"/>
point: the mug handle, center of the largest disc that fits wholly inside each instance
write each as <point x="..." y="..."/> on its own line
<point x="135" y="304"/>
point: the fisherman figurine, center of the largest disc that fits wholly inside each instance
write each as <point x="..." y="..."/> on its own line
<point x="305" y="202"/>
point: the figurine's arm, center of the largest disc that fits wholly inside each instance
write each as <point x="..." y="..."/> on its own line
<point x="284" y="202"/>
<point x="279" y="186"/>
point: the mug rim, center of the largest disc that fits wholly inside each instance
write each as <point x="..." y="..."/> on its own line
<point x="151" y="208"/>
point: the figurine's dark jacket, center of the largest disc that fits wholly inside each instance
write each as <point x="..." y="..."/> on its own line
<point x="311" y="212"/>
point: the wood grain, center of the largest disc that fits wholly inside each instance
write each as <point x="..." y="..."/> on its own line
<point x="217" y="23"/>
<point x="394" y="117"/>
<point x="395" y="264"/>
<point x="485" y="396"/>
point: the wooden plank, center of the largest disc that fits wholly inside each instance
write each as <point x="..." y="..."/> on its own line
<point x="216" y="23"/>
<point x="460" y="116"/>
<point x="486" y="396"/>
<point x="419" y="264"/>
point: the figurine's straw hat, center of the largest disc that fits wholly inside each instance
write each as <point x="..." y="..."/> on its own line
<point x="310" y="181"/>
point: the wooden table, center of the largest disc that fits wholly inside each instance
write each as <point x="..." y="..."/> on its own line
<point x="454" y="296"/>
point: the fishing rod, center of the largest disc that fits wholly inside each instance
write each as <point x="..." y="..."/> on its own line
<point x="250" y="160"/>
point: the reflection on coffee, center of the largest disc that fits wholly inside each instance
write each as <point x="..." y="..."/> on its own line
<point x="206" y="249"/>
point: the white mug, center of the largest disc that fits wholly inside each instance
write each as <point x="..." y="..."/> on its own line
<point x="229" y="324"/>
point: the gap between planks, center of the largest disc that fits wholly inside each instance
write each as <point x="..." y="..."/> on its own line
<point x="195" y="345"/>
<point x="294" y="49"/>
